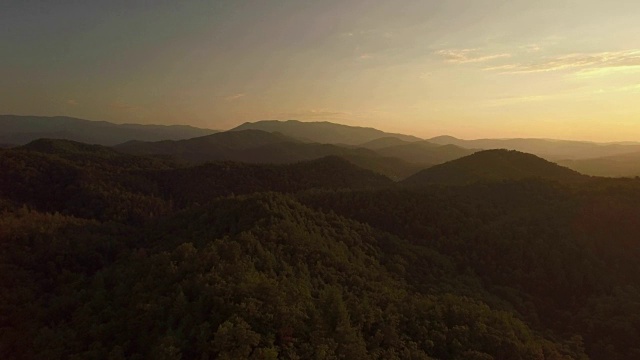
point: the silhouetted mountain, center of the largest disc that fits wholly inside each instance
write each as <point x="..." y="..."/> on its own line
<point x="322" y="132"/>
<point x="546" y="148"/>
<point x="256" y="146"/>
<point x="424" y="152"/>
<point x="20" y="130"/>
<point x="624" y="165"/>
<point x="490" y="165"/>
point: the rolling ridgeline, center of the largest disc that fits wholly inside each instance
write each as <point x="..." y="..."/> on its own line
<point x="250" y="244"/>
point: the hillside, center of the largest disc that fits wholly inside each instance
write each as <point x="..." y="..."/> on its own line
<point x="545" y="248"/>
<point x="322" y="132"/>
<point x="259" y="276"/>
<point x="21" y="130"/>
<point x="491" y="165"/>
<point x="547" y="148"/>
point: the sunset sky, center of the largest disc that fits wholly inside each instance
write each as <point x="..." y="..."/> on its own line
<point x="469" y="68"/>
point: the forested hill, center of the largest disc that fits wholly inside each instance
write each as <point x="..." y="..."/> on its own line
<point x="107" y="255"/>
<point x="492" y="165"/>
<point x="80" y="179"/>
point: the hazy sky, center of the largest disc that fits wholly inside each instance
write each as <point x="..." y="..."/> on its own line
<point x="468" y="68"/>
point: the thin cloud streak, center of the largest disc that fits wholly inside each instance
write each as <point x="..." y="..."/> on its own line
<point x="577" y="61"/>
<point x="562" y="96"/>
<point x="599" y="72"/>
<point x="464" y="56"/>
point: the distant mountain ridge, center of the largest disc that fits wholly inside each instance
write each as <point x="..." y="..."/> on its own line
<point x="622" y="165"/>
<point x="20" y="130"/>
<point x="424" y="152"/>
<point x="492" y="165"/>
<point x="547" y="148"/>
<point x="322" y="132"/>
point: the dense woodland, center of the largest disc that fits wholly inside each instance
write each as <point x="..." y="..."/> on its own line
<point x="105" y="255"/>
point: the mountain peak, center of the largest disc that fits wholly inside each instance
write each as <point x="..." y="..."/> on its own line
<point x="491" y="165"/>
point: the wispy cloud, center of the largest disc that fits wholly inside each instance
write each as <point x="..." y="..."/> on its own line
<point x="234" y="97"/>
<point x="582" y="94"/>
<point x="463" y="56"/>
<point x="575" y="62"/>
<point x="521" y="99"/>
<point x="605" y="71"/>
<point x="72" y="102"/>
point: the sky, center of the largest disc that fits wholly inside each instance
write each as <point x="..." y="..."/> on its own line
<point x="566" y="69"/>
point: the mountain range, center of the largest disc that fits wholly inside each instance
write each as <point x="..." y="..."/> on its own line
<point x="394" y="155"/>
<point x="622" y="165"/>
<point x="257" y="146"/>
<point x="19" y="130"/>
